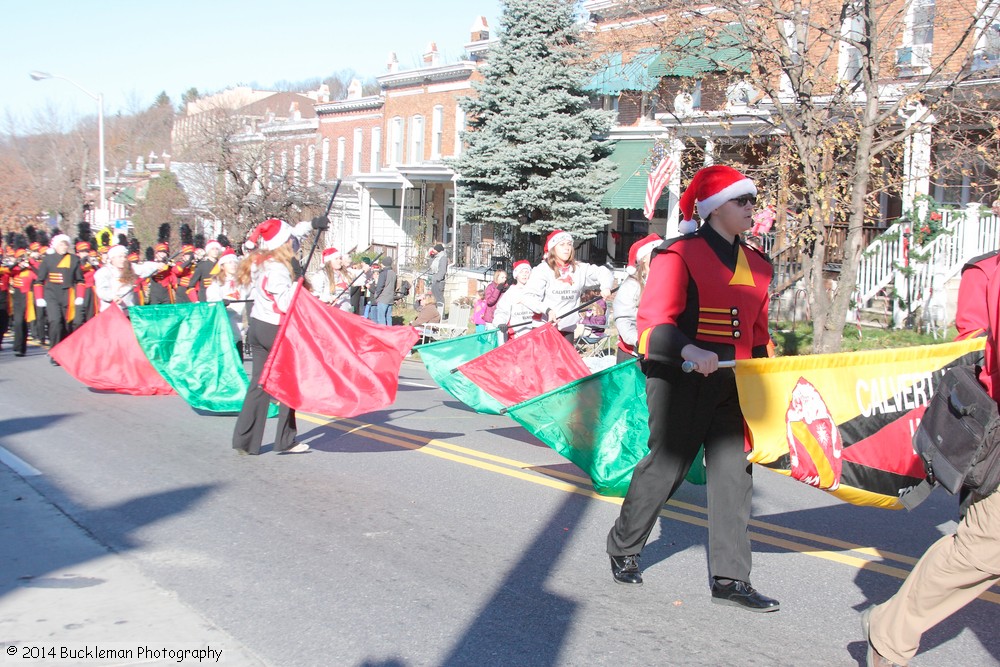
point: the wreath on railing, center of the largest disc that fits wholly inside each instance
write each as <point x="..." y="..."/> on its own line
<point x="926" y="220"/>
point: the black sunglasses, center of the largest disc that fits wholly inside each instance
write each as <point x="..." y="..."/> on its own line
<point x="744" y="200"/>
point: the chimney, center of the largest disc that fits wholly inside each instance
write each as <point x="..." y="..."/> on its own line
<point x="293" y="111"/>
<point x="354" y="90"/>
<point x="432" y="58"/>
<point x="165" y="156"/>
<point x="480" y="30"/>
<point x="323" y="93"/>
<point x="393" y="65"/>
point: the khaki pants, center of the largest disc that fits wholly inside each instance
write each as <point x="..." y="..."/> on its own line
<point x="951" y="574"/>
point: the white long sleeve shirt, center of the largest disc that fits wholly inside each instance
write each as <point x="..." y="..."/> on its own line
<point x="511" y="309"/>
<point x="625" y="308"/>
<point x="545" y="291"/>
<point x="271" y="289"/>
<point x="108" y="285"/>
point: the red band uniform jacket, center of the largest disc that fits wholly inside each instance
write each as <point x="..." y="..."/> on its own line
<point x="704" y="291"/>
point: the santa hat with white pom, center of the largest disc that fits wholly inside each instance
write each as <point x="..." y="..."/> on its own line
<point x="640" y="250"/>
<point x="710" y="188"/>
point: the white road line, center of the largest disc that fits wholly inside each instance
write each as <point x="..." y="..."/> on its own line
<point x="416" y="384"/>
<point x="18" y="465"/>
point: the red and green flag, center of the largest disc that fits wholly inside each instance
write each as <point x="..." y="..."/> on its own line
<point x="442" y="357"/>
<point x="105" y="355"/>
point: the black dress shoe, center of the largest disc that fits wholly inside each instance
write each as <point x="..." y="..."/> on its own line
<point x="625" y="569"/>
<point x="19" y="354"/>
<point x="742" y="594"/>
<point x="54" y="362"/>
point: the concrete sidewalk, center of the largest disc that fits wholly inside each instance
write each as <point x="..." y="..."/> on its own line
<point x="61" y="592"/>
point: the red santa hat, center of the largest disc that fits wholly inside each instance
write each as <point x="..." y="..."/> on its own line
<point x="330" y="253"/>
<point x="270" y="234"/>
<point x="640" y="250"/>
<point x="521" y="265"/>
<point x="228" y="255"/>
<point x="710" y="188"/>
<point x="554" y="239"/>
<point x="58" y="238"/>
<point x="213" y="244"/>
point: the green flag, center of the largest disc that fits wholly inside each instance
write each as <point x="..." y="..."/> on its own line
<point x="443" y="356"/>
<point x="600" y="423"/>
<point x="191" y="345"/>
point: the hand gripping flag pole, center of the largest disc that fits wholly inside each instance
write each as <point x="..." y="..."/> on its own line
<point x="567" y="313"/>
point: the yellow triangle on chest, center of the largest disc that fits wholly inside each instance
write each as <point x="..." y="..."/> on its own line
<point x="64" y="262"/>
<point x="742" y="275"/>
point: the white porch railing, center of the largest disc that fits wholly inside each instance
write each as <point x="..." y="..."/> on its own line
<point x="968" y="232"/>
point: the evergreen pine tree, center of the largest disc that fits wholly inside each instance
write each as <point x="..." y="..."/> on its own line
<point x="535" y="155"/>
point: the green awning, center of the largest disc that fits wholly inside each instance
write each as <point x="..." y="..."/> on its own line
<point x="629" y="191"/>
<point x="615" y="76"/>
<point x="696" y="54"/>
<point x="125" y="196"/>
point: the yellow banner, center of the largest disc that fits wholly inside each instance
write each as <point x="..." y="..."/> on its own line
<point x="844" y="422"/>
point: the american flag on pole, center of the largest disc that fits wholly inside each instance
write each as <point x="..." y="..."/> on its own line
<point x="662" y="168"/>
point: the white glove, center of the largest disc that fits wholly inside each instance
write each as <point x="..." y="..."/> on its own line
<point x="40" y="303"/>
<point x="79" y="301"/>
<point x="302" y="229"/>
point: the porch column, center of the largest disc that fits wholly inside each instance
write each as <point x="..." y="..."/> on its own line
<point x="454" y="222"/>
<point x="917" y="155"/>
<point x="674" y="189"/>
<point x="709" y="152"/>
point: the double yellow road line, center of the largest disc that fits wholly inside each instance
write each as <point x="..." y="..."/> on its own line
<point x="789" y="539"/>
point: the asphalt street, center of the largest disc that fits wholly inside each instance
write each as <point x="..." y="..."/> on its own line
<point x="423" y="534"/>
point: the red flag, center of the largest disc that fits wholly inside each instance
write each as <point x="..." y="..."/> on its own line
<point x="527" y="366"/>
<point x="105" y="355"/>
<point x="658" y="177"/>
<point x="331" y="362"/>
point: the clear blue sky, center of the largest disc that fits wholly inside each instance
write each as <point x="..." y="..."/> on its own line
<point x="132" y="51"/>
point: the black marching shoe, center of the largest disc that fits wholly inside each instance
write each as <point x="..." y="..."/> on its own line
<point x="741" y="594"/>
<point x="625" y="569"/>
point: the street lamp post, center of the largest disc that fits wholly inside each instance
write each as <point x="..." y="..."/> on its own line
<point x="99" y="98"/>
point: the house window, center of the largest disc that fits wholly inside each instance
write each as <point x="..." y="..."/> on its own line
<point x="396" y="141"/>
<point x="987" y="52"/>
<point x="376" y="149"/>
<point x="325" y="160"/>
<point x="416" y="155"/>
<point x="852" y="31"/>
<point x="311" y="164"/>
<point x="459" y="128"/>
<point x="922" y="22"/>
<point x="296" y="164"/>
<point x="918" y="37"/>
<point x="341" y="151"/>
<point x="359" y="138"/>
<point x="795" y="36"/>
<point x="437" y="132"/>
<point x="648" y="106"/>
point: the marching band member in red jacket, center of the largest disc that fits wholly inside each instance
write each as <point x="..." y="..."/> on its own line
<point x="705" y="300"/>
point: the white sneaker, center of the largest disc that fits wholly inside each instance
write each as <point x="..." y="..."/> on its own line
<point x="298" y="448"/>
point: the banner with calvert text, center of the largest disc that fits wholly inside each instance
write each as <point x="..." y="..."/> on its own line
<point x="844" y="422"/>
